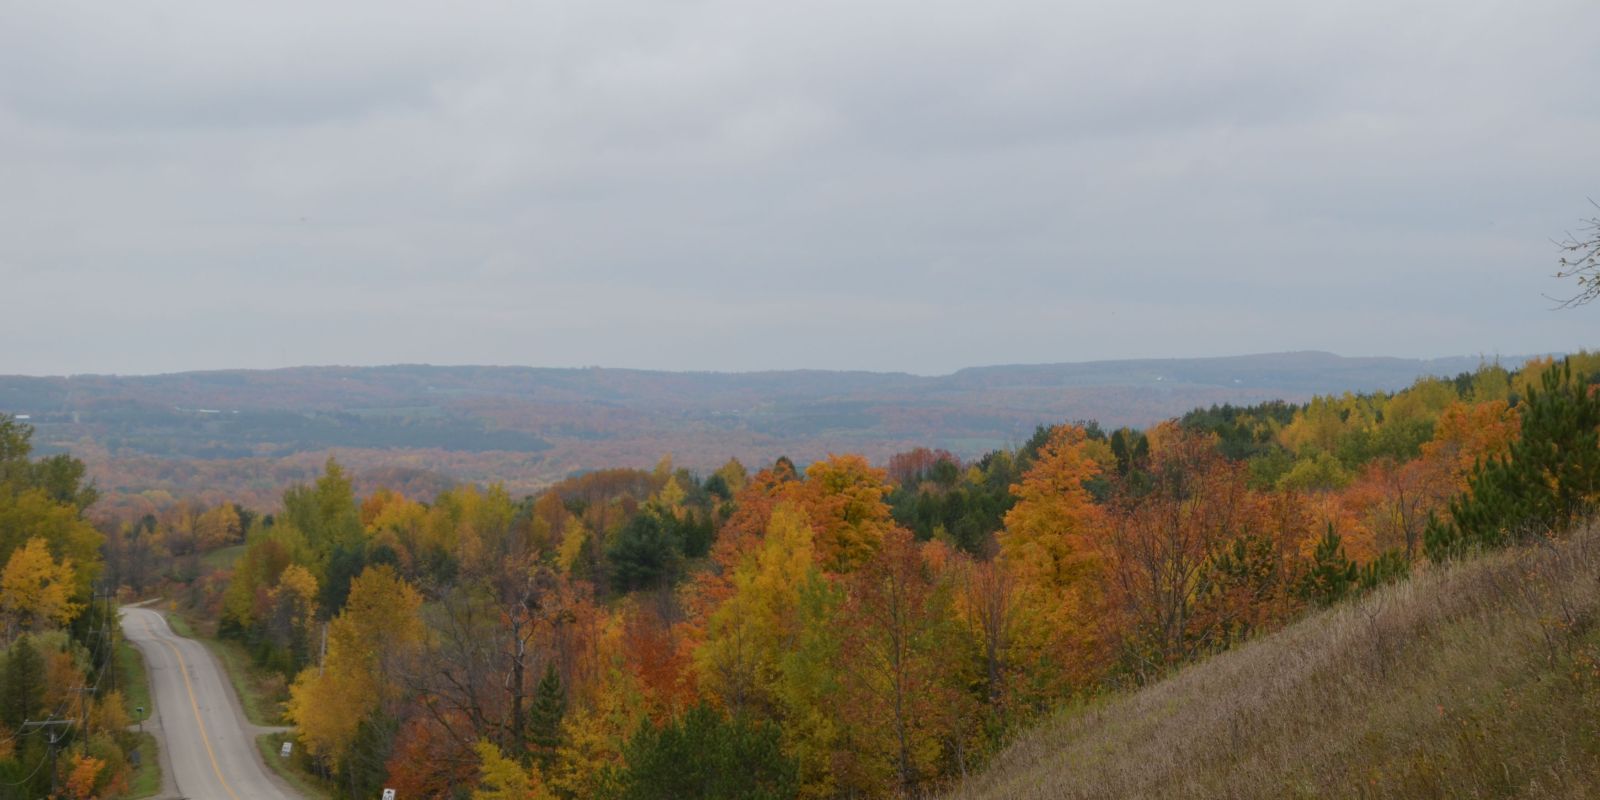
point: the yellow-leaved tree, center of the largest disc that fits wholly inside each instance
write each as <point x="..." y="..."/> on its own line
<point x="592" y="739"/>
<point x="33" y="514"/>
<point x="748" y="635"/>
<point x="573" y="538"/>
<point x="293" y="605"/>
<point x="376" y="632"/>
<point x="501" y="778"/>
<point x="219" y="527"/>
<point x="36" y="590"/>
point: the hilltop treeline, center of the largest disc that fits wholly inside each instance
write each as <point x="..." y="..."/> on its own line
<point x="845" y="629"/>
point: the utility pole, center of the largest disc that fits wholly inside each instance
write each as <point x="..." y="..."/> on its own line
<point x="55" y="731"/>
<point x="109" y="634"/>
<point x="83" y="716"/>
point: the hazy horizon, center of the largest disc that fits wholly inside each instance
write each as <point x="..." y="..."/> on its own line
<point x="1488" y="358"/>
<point x="717" y="186"/>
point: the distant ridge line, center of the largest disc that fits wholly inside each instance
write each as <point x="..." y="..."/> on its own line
<point x="1329" y="356"/>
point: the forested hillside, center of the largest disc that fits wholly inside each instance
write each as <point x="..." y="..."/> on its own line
<point x="846" y="628"/>
<point x="1473" y="679"/>
<point x="247" y="435"/>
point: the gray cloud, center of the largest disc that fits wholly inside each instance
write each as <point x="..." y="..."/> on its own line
<point x="722" y="185"/>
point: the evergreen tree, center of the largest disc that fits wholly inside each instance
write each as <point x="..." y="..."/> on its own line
<point x="697" y="533"/>
<point x="544" y="722"/>
<point x="1560" y="446"/>
<point x="1545" y="483"/>
<point x="705" y="755"/>
<point x="343" y="565"/>
<point x="16" y="471"/>
<point x="647" y="553"/>
<point x="1240" y="579"/>
<point x="1332" y="574"/>
<point x="717" y="486"/>
<point x="1441" y="539"/>
<point x="20" y="775"/>
<point x="1390" y="566"/>
<point x="23" y="683"/>
<point x="363" y="767"/>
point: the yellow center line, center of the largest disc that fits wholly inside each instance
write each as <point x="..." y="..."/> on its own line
<point x="184" y="671"/>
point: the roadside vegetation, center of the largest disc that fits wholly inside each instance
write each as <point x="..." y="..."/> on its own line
<point x="135" y="681"/>
<point x="296" y="770"/>
<point x="144" y="778"/>
<point x="62" y="704"/>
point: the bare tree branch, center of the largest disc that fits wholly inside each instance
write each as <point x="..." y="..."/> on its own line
<point x="1582" y="261"/>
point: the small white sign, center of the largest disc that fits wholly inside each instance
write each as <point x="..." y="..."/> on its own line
<point x="388" y="794"/>
<point x="284" y="751"/>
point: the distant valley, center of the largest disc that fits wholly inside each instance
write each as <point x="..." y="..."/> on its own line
<point x="248" y="433"/>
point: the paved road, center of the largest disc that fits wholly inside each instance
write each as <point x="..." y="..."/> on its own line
<point x="208" y="748"/>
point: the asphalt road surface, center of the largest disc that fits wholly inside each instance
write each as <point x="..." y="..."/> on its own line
<point x="208" y="748"/>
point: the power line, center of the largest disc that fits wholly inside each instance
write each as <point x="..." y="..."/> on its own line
<point x="104" y="671"/>
<point x="54" y="728"/>
<point x="35" y="771"/>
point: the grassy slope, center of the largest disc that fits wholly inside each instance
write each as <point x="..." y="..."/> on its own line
<point x="1477" y="680"/>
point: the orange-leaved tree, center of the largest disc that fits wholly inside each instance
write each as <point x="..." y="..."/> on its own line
<point x="1048" y="549"/>
<point x="1160" y="543"/>
<point x="843" y="496"/>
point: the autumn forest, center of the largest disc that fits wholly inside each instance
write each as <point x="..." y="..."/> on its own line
<point x="833" y="629"/>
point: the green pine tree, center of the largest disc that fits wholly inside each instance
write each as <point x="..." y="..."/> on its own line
<point x="1332" y="574"/>
<point x="544" y="723"/>
<point x="1544" y="484"/>
<point x="706" y="755"/>
<point x="1390" y="566"/>
<point x="22" y="684"/>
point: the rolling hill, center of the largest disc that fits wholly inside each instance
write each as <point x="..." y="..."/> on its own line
<point x="254" y="431"/>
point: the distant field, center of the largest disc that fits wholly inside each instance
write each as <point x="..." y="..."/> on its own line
<point x="222" y="558"/>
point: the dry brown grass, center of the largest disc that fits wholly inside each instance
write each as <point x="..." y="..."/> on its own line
<point x="1477" y="680"/>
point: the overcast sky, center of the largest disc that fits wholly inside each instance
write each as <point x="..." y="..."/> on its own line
<point x="868" y="184"/>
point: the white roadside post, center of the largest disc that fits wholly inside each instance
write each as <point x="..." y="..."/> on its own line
<point x="388" y="794"/>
